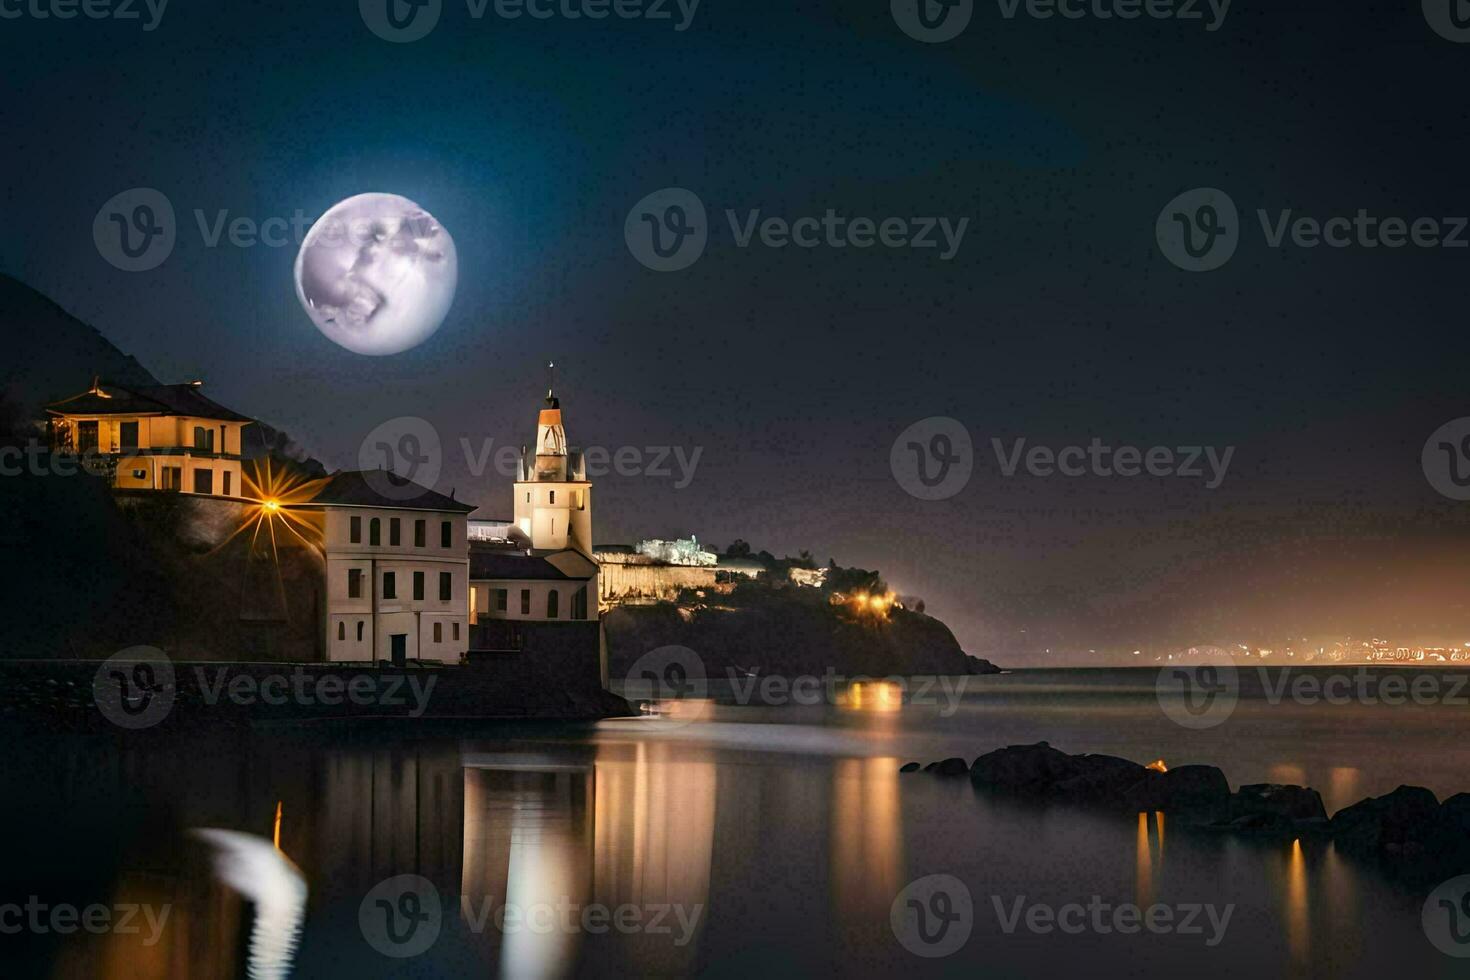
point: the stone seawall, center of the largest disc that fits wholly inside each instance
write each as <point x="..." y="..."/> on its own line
<point x="152" y="693"/>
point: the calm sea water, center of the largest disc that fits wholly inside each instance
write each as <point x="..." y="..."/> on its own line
<point x="719" y="839"/>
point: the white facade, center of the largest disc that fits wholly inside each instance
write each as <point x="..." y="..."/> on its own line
<point x="397" y="583"/>
<point x="553" y="497"/>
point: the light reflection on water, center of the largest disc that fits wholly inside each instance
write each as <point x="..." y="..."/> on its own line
<point x="783" y="835"/>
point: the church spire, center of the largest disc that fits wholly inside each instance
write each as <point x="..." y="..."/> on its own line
<point x="551" y="399"/>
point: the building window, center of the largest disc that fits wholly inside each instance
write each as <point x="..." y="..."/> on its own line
<point x="418" y="585"/>
<point x="419" y="533"/>
<point x="528" y="493"/>
<point x="226" y="488"/>
<point x="203" y="439"/>
<point x="86" y="436"/>
<point x="204" y="481"/>
<point x="553" y="525"/>
<point x="173" y="477"/>
<point x="553" y="496"/>
<point x="127" y="435"/>
<point x="438" y="632"/>
<point x="354" y="583"/>
<point x="455" y="627"/>
<point x="579" y="603"/>
<point x="359" y="631"/>
<point x="390" y="585"/>
<point x="395" y="535"/>
<point x="553" y="599"/>
<point x="525" y="602"/>
<point x="446" y="534"/>
<point x="502" y="599"/>
<point x="354" y="530"/>
<point x="341" y="631"/>
<point x="446" y="586"/>
<point x="375" y="532"/>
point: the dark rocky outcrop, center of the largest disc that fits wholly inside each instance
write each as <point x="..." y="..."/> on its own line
<point x="788" y="632"/>
<point x="1269" y="799"/>
<point x="1199" y="791"/>
<point x="949" y="767"/>
<point x="1403" y="818"/>
<point x="1408" y="828"/>
<point x="1023" y="768"/>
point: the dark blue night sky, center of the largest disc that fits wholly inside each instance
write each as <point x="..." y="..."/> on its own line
<point x="1057" y="321"/>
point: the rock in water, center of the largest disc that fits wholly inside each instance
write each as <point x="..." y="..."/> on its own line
<point x="1023" y="768"/>
<point x="1270" y="799"/>
<point x="1383" y="822"/>
<point x="949" y="767"/>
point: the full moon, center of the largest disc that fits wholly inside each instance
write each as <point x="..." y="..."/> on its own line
<point x="377" y="274"/>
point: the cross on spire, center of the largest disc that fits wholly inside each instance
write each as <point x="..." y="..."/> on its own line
<point x="551" y="401"/>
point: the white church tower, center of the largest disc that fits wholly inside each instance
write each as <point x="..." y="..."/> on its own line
<point x="553" y="497"/>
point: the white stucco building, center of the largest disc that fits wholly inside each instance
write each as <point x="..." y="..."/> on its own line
<point x="397" y="569"/>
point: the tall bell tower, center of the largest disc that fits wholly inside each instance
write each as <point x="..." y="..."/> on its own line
<point x="553" y="497"/>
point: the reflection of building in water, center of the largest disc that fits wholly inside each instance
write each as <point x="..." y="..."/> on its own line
<point x="1298" y="921"/>
<point x="527" y="846"/>
<point x="867" y="842"/>
<point x="557" y="838"/>
<point x="383" y="813"/>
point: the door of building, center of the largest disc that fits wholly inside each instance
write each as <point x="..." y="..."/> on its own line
<point x="400" y="648"/>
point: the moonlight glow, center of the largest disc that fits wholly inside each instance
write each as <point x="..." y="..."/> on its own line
<point x="377" y="274"/>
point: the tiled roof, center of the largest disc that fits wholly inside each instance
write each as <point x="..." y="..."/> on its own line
<point x="146" y="400"/>
<point x="381" y="488"/>
<point x="513" y="565"/>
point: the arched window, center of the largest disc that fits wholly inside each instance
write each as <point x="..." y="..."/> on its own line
<point x="375" y="532"/>
<point x="553" y="599"/>
<point x="341" y="631"/>
<point x="359" y="631"/>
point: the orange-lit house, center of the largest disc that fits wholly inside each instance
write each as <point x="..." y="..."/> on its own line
<point x="159" y="437"/>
